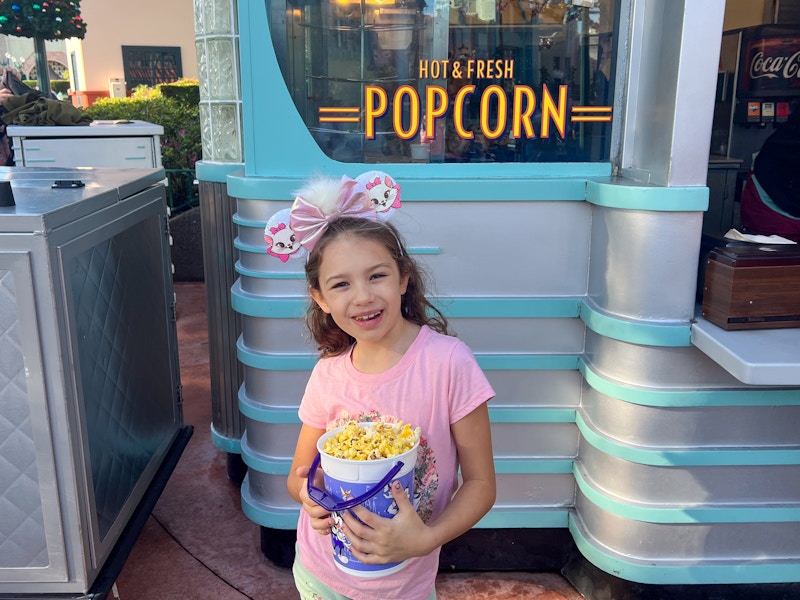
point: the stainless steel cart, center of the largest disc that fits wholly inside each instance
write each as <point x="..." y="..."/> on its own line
<point x="90" y="400"/>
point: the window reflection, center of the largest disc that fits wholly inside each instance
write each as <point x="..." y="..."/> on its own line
<point x="450" y="80"/>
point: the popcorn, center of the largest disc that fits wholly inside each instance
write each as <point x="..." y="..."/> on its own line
<point x="371" y="442"/>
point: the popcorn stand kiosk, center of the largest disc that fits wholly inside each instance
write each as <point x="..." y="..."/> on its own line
<point x="552" y="158"/>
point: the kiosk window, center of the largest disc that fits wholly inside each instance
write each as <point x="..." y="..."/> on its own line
<point x="450" y="80"/>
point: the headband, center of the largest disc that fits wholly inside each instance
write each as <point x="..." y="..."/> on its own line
<point x="292" y="233"/>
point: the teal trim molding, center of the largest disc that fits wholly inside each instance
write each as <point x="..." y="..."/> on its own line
<point x="267" y="516"/>
<point x="215" y="172"/>
<point x="274" y="362"/>
<point x="512" y="307"/>
<point x="252" y="305"/>
<point x="692" y="397"/>
<point x="463" y="307"/>
<point x="527" y="362"/>
<point x="647" y="333"/>
<point x="267" y="274"/>
<point x="242" y="222"/>
<point x="240" y="245"/>
<point x="266" y="414"/>
<point x="507" y="518"/>
<point x="490" y="362"/>
<point x="523" y="466"/>
<point x="224" y="443"/>
<point x="686" y="514"/>
<point x="505" y="414"/>
<point x="622" y="193"/>
<point x="688" y="457"/>
<point x="451" y="182"/>
<point x="264" y="464"/>
<point x="261" y="249"/>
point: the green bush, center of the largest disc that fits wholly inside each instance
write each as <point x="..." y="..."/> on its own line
<point x="56" y="85"/>
<point x="181" y="145"/>
<point x="176" y="108"/>
<point x="186" y="91"/>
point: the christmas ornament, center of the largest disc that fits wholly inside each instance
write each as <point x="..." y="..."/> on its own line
<point x="35" y="19"/>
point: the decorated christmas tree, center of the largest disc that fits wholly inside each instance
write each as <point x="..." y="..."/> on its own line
<point x="42" y="20"/>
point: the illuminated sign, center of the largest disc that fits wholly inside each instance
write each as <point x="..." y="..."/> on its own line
<point x="770" y="65"/>
<point x="414" y="113"/>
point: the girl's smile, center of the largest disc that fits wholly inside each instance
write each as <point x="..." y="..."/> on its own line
<point x="369" y="317"/>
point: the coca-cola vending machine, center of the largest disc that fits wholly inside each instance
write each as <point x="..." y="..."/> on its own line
<point x="758" y="86"/>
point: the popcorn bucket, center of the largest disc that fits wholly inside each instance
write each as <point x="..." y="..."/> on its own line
<point x="350" y="483"/>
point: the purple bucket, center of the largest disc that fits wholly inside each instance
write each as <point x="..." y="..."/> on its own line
<point x="350" y="483"/>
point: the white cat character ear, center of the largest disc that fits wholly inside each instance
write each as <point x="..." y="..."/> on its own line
<point x="383" y="191"/>
<point x="281" y="240"/>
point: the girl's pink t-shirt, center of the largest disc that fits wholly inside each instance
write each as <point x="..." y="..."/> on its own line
<point x="437" y="383"/>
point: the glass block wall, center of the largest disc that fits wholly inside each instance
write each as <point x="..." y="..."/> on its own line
<point x="217" y="41"/>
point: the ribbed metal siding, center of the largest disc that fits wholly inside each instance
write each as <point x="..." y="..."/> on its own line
<point x="224" y="325"/>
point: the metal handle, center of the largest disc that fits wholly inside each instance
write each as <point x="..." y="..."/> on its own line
<point x="332" y="504"/>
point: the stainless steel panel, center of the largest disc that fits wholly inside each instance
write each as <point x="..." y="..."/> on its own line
<point x="687" y="543"/>
<point x="535" y="490"/>
<point x="275" y="440"/>
<point x="644" y="263"/>
<point x="479" y="259"/>
<point x="260" y="211"/>
<point x="691" y="487"/>
<point x="546" y="389"/>
<point x="275" y="388"/>
<point x="253" y="235"/>
<point x="520" y="335"/>
<point x="534" y="440"/>
<point x="699" y="427"/>
<point x="31" y="540"/>
<point x="269" y="491"/>
<point x="654" y="367"/>
<point x="285" y="336"/>
<point x="257" y="261"/>
<point x="269" y="286"/>
<point x="673" y="55"/>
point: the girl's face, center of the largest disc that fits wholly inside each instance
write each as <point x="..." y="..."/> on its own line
<point x="360" y="286"/>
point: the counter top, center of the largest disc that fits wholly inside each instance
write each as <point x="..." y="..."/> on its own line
<point x="38" y="207"/>
<point x="717" y="160"/>
<point x="755" y="356"/>
<point x="98" y="128"/>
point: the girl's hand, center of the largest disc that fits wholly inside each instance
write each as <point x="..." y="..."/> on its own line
<point x="321" y="520"/>
<point x="378" y="540"/>
<point x="297" y="482"/>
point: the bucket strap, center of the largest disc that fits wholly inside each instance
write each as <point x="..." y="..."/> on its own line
<point x="333" y="504"/>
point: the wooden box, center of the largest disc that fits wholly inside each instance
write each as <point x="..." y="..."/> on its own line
<point x="753" y="287"/>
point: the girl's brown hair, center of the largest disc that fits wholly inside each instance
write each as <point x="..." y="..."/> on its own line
<point x="414" y="306"/>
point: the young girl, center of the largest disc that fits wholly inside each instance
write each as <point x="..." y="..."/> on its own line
<point x="385" y="355"/>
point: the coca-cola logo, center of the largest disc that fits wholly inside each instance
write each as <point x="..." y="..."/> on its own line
<point x="771" y="64"/>
<point x="774" y="67"/>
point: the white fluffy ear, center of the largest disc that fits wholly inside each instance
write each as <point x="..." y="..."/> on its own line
<point x="322" y="192"/>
